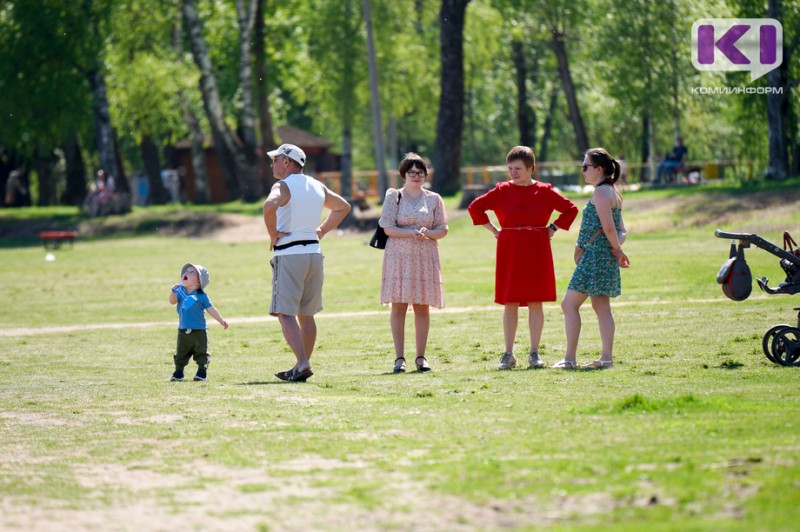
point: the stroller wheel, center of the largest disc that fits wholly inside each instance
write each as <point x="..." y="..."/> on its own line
<point x="786" y="346"/>
<point x="766" y="343"/>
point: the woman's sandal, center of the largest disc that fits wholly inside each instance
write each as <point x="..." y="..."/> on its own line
<point x="399" y="365"/>
<point x="565" y="364"/>
<point x="422" y="367"/>
<point x="599" y="364"/>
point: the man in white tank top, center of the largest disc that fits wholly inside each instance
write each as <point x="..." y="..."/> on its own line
<point x="291" y="213"/>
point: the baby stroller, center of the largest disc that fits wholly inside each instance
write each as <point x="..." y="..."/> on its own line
<point x="781" y="343"/>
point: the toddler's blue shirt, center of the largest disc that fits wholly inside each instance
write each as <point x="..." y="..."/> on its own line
<point x="191" y="309"/>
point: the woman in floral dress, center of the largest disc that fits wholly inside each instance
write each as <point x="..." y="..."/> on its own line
<point x="414" y="219"/>
<point x="599" y="256"/>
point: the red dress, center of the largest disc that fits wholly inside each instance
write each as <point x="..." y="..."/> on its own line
<point x="524" y="272"/>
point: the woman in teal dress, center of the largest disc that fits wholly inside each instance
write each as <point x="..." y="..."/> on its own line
<point x="599" y="256"/>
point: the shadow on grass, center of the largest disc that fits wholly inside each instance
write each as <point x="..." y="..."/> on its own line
<point x="268" y="383"/>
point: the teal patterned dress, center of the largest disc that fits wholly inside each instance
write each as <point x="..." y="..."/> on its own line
<point x="597" y="273"/>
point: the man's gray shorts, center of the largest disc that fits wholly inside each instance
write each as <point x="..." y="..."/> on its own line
<point x="296" y="284"/>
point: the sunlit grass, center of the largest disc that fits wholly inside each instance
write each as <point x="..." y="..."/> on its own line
<point x="693" y="427"/>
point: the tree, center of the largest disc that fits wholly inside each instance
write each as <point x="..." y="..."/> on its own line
<point x="96" y="14"/>
<point x="646" y="80"/>
<point x="237" y="158"/>
<point x="450" y="121"/>
<point x="44" y="92"/>
<point x="329" y="80"/>
<point x="778" y="108"/>
<point x="264" y="114"/>
<point x="558" y="17"/>
<point x="246" y="13"/>
<point x="375" y="96"/>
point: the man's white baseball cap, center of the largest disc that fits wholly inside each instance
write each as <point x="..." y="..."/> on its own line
<point x="291" y="151"/>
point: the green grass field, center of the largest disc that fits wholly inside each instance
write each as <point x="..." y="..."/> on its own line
<point x="693" y="429"/>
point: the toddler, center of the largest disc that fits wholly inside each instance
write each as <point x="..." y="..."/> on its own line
<point x="192" y="303"/>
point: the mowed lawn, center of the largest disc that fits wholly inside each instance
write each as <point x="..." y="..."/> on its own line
<point x="692" y="429"/>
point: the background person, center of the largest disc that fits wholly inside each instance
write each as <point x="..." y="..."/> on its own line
<point x="599" y="257"/>
<point x="673" y="161"/>
<point x="100" y="193"/>
<point x="16" y="191"/>
<point x="524" y="273"/>
<point x="414" y="219"/>
<point x="291" y="213"/>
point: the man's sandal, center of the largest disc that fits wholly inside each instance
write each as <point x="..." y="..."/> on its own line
<point x="565" y="364"/>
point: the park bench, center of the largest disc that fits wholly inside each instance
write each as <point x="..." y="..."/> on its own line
<point x="54" y="239"/>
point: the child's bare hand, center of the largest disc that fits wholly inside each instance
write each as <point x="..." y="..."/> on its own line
<point x="175" y="286"/>
<point x="224" y="324"/>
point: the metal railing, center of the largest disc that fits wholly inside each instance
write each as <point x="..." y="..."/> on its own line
<point x="563" y="174"/>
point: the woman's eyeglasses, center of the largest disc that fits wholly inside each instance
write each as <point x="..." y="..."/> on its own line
<point x="586" y="166"/>
<point x="415" y="174"/>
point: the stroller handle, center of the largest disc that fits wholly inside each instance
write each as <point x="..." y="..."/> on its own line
<point x="752" y="238"/>
<point x="719" y="233"/>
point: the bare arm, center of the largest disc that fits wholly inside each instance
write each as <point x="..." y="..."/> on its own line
<point x="339" y="208"/>
<point x="173" y="297"/>
<point x="278" y="197"/>
<point x="492" y="229"/>
<point x="216" y="315"/>
<point x="604" y="199"/>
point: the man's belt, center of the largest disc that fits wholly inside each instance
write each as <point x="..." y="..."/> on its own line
<point x="297" y="243"/>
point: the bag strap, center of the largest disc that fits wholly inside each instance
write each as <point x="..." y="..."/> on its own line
<point x="594" y="237"/>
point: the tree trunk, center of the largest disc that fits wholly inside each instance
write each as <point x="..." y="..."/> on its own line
<point x="346" y="173"/>
<point x="548" y="122"/>
<point x="560" y="49"/>
<point x="246" y="13"/>
<point x="199" y="166"/>
<point x="152" y="169"/>
<point x="450" y="121"/>
<point x="526" y="119"/>
<point x="264" y="115"/>
<point x="674" y="78"/>
<point x="230" y="149"/>
<point x="105" y="133"/>
<point x="121" y="183"/>
<point x="75" y="190"/>
<point x="377" y="126"/>
<point x="43" y="164"/>
<point x="348" y="98"/>
<point x="777" y="111"/>
<point x="394" y="148"/>
<point x="202" y="195"/>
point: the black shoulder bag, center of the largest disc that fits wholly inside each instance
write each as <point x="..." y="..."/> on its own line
<point x="379" y="237"/>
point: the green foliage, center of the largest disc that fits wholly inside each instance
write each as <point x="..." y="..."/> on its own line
<point x="628" y="59"/>
<point x="46" y="51"/>
<point x="149" y="78"/>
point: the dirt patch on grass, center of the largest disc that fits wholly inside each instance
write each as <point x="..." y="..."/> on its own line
<point x="299" y="494"/>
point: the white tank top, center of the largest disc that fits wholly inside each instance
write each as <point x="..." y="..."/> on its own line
<point x="301" y="216"/>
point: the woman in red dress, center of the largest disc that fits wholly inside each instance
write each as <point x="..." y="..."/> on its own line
<point x="524" y="272"/>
